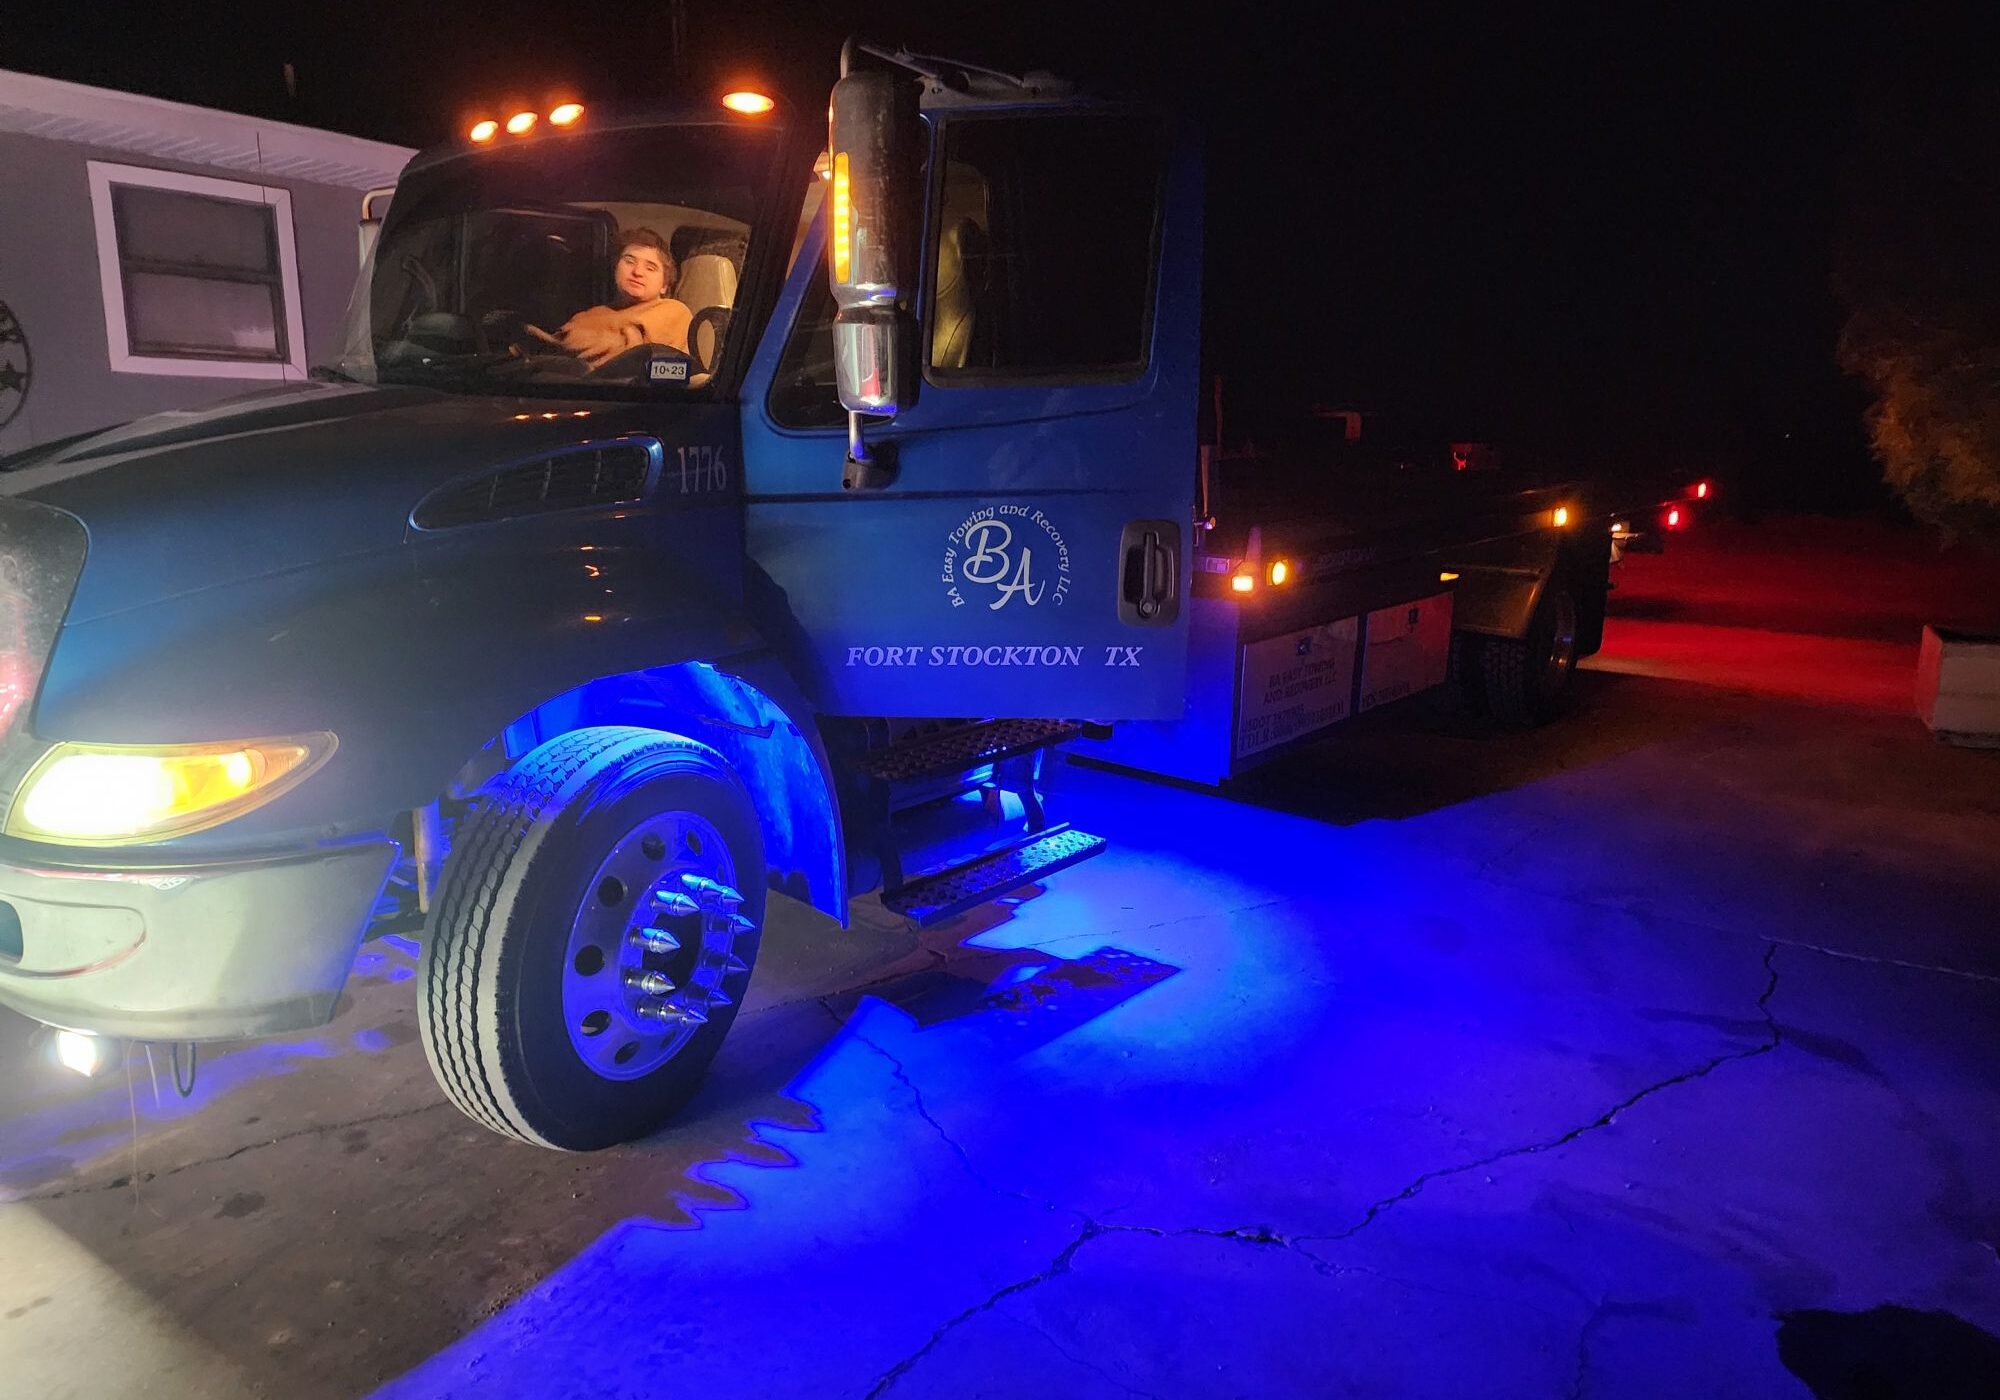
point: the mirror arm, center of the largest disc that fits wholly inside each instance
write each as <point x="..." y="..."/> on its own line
<point x="866" y="470"/>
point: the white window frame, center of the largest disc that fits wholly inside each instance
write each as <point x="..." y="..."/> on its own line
<point x="103" y="176"/>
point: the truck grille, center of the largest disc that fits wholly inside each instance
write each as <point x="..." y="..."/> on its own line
<point x="41" y="558"/>
<point x="612" y="474"/>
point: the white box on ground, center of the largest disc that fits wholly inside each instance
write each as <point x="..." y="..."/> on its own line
<point x="1958" y="686"/>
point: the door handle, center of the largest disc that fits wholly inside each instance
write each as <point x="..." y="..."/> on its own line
<point x="1149" y="584"/>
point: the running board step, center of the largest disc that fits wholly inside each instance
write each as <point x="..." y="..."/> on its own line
<point x="935" y="898"/>
<point x="968" y="746"/>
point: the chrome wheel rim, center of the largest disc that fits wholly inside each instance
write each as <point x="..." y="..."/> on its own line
<point x="650" y="945"/>
<point x="1561" y="657"/>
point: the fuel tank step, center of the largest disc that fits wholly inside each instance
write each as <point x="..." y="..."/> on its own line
<point x="950" y="751"/>
<point x="935" y="898"/>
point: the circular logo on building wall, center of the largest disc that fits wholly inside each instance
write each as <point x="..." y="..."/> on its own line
<point x="17" y="366"/>
<point x="1001" y="554"/>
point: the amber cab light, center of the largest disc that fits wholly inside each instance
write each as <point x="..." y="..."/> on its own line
<point x="746" y="103"/>
<point x="520" y="124"/>
<point x="568" y="114"/>
<point x="484" y="130"/>
<point x="1559" y="517"/>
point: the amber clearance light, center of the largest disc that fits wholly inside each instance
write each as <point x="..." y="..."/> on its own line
<point x="484" y="130"/>
<point x="520" y="124"/>
<point x="747" y="103"/>
<point x="568" y="114"/>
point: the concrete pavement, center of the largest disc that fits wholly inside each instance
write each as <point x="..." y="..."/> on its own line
<point x="1650" y="1054"/>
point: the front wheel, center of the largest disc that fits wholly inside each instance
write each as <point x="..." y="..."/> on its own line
<point x="595" y="930"/>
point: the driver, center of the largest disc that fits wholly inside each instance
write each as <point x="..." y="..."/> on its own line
<point x="641" y="312"/>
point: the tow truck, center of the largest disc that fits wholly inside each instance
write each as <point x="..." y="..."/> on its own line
<point x="569" y="668"/>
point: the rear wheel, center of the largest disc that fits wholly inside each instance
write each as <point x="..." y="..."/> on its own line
<point x="594" y="935"/>
<point x="1526" y="681"/>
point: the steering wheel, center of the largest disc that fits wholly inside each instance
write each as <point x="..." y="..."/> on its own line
<point x="716" y="316"/>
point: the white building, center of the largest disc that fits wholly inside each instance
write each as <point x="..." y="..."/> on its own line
<point x="155" y="255"/>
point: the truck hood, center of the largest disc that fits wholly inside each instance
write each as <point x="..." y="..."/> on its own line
<point x="280" y="480"/>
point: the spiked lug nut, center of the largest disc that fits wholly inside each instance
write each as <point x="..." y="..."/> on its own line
<point x="739" y="925"/>
<point x="733" y="964"/>
<point x="655" y="940"/>
<point x="670" y="1012"/>
<point x="715" y="997"/>
<point x="676" y="903"/>
<point x="713" y="894"/>
<point x="653" y="984"/>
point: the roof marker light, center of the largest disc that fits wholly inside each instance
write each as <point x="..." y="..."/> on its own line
<point x="520" y="124"/>
<point x="1559" y="517"/>
<point x="484" y="130"/>
<point x="566" y="115"/>
<point x="747" y="103"/>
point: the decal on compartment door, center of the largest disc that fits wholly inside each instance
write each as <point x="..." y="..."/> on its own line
<point x="1408" y="650"/>
<point x="1295" y="684"/>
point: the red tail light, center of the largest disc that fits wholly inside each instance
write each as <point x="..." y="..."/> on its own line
<point x="1674" y="518"/>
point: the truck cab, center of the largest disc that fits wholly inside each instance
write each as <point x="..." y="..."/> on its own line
<point x="557" y="625"/>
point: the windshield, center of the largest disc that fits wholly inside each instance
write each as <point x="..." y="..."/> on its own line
<point x="586" y="264"/>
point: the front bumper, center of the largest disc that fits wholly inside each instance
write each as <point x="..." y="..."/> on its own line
<point x="212" y="951"/>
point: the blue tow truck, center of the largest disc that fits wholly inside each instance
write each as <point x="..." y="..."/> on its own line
<point x="568" y="662"/>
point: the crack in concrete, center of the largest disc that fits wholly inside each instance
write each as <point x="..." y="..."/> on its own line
<point x="1603" y="1120"/>
<point x="1846" y="956"/>
<point x="1076" y="1360"/>
<point x="1582" y="1374"/>
<point x="923" y="1111"/>
<point x="1261" y="1235"/>
<point x="1057" y="1267"/>
<point x="146" y="1178"/>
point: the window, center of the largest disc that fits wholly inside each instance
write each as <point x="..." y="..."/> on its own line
<point x="804" y="391"/>
<point x="1042" y="242"/>
<point x="200" y="275"/>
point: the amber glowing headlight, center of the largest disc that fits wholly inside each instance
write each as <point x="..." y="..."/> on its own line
<point x="114" y="794"/>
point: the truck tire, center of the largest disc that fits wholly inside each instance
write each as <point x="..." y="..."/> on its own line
<point x="1465" y="685"/>
<point x="595" y="928"/>
<point x="1526" y="681"/>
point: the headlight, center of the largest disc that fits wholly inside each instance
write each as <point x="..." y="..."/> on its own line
<point x="112" y="794"/>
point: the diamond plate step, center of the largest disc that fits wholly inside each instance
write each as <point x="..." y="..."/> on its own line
<point x="950" y="751"/>
<point x="937" y="897"/>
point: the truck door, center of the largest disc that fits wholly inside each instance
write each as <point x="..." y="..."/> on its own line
<point x="1029" y="556"/>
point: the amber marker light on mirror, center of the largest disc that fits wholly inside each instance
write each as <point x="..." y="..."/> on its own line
<point x="483" y="131"/>
<point x="746" y="103"/>
<point x="843" y="220"/>
<point x="1280" y="571"/>
<point x="521" y="123"/>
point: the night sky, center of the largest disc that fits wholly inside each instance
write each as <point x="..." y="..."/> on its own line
<point x="1600" y="233"/>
